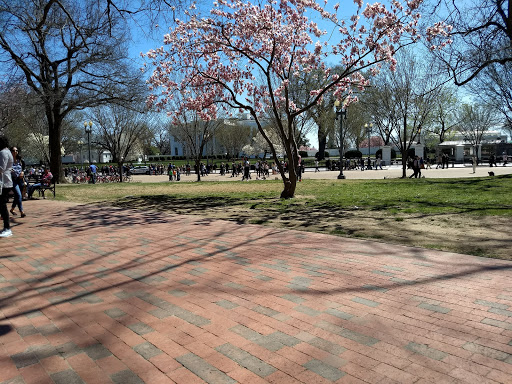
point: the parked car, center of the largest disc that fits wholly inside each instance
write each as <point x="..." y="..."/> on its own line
<point x="140" y="170"/>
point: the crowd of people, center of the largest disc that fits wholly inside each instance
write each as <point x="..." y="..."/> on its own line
<point x="363" y="163"/>
<point x="261" y="168"/>
<point x="14" y="178"/>
<point x="90" y="173"/>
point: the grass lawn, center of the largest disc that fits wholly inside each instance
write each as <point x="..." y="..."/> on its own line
<point x="460" y="215"/>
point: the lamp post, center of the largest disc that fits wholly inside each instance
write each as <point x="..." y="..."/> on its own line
<point x="368" y="131"/>
<point x="419" y="135"/>
<point x="341" y="113"/>
<point x="88" y="130"/>
<point x="80" y="143"/>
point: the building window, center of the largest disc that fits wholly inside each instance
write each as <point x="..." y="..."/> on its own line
<point x="175" y="151"/>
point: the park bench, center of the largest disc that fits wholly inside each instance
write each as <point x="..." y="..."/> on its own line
<point x="34" y="179"/>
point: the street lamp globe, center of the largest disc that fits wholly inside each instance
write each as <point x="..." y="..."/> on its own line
<point x="88" y="126"/>
<point x="88" y="130"/>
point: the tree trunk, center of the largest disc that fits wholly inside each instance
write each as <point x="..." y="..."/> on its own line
<point x="322" y="142"/>
<point x="198" y="169"/>
<point x="120" y="165"/>
<point x="404" y="166"/>
<point x="290" y="184"/>
<point x="54" y="138"/>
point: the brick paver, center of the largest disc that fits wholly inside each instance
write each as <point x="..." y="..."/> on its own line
<point x="98" y="294"/>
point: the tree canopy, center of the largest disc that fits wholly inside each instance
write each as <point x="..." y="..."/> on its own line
<point x="71" y="54"/>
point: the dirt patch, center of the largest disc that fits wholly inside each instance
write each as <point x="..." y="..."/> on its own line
<point x="487" y="236"/>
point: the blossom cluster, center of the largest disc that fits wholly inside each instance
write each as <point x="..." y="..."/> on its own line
<point x="245" y="55"/>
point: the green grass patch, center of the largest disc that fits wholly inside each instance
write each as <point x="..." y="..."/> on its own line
<point x="477" y="196"/>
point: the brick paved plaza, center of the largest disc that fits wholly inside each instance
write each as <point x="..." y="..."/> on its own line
<point x="103" y="295"/>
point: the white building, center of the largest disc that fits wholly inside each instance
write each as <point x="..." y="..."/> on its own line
<point x="460" y="149"/>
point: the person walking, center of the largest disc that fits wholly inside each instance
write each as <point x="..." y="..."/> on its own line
<point x="247" y="170"/>
<point x="94" y="170"/>
<point x="416" y="168"/>
<point x="299" y="168"/>
<point x="378" y="163"/>
<point x="6" y="162"/>
<point x="18" y="182"/>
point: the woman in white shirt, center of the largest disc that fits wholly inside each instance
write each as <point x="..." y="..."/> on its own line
<point x="6" y="162"/>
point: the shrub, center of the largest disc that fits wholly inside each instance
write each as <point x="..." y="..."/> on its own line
<point x="317" y="155"/>
<point x="353" y="154"/>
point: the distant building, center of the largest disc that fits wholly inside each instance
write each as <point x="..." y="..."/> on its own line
<point x="214" y="147"/>
<point x="460" y="150"/>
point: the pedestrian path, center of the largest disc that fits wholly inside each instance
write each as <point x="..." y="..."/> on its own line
<point x="90" y="294"/>
<point x="392" y="172"/>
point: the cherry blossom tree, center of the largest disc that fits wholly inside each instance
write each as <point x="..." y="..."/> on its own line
<point x="245" y="55"/>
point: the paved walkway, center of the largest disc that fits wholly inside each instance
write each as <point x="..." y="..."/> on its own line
<point x="392" y="172"/>
<point x="94" y="295"/>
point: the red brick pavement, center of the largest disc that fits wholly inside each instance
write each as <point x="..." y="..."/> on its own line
<point x="104" y="295"/>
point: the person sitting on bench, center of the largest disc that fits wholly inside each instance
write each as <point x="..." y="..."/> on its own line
<point x="46" y="180"/>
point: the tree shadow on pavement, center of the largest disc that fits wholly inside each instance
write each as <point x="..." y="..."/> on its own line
<point x="380" y="223"/>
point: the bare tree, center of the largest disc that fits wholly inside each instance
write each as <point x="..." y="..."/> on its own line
<point x="15" y="107"/>
<point x="194" y="133"/>
<point x="482" y="36"/>
<point x="117" y="130"/>
<point x="401" y="102"/>
<point x="161" y="140"/>
<point x="444" y="113"/>
<point x="233" y="135"/>
<point x="474" y="121"/>
<point x="72" y="55"/>
<point x="22" y="120"/>
<point x="358" y="114"/>
<point x="494" y="87"/>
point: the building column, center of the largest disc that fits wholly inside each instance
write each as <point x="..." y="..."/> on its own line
<point x="386" y="155"/>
